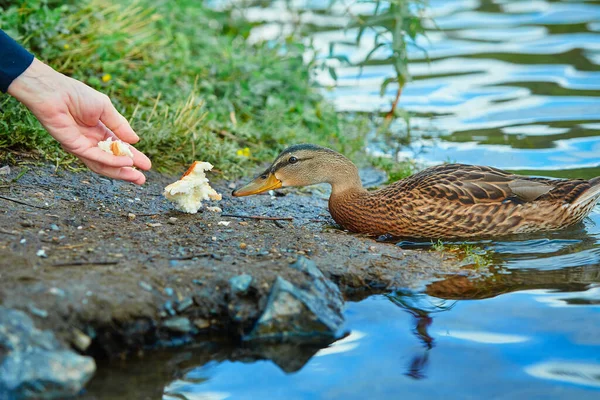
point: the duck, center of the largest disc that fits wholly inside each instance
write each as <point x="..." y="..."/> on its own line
<point x="449" y="201"/>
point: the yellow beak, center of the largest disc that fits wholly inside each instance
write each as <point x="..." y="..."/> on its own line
<point x="258" y="185"/>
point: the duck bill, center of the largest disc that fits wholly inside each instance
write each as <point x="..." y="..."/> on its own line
<point x="258" y="185"/>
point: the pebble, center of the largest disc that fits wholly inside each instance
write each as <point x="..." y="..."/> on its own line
<point x="169" y="291"/>
<point x="214" y="209"/>
<point x="214" y="238"/>
<point x="131" y="216"/>
<point x="169" y="308"/>
<point x="54" y="227"/>
<point x="202" y="323"/>
<point x="243" y="246"/>
<point x="5" y="170"/>
<point x="172" y="220"/>
<point x="23" y="241"/>
<point x="38" y="311"/>
<point x="154" y="225"/>
<point x="178" y="324"/>
<point x="145" y="286"/>
<point x="26" y="223"/>
<point x="57" y="292"/>
<point x="243" y="223"/>
<point x="231" y="185"/>
<point x="184" y="304"/>
<point x="80" y="340"/>
<point x="224" y="223"/>
<point x="41" y="253"/>
<point x="79" y="227"/>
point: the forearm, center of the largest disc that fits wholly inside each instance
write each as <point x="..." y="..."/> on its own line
<point x="14" y="60"/>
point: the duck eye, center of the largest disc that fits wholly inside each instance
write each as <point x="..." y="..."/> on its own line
<point x="293" y="160"/>
<point x="264" y="176"/>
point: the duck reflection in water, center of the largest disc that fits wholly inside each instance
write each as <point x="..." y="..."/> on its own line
<point x="420" y="306"/>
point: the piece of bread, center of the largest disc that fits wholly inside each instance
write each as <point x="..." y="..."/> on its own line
<point x="116" y="147"/>
<point x="188" y="193"/>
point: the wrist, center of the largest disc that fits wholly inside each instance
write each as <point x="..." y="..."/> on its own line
<point x="38" y="77"/>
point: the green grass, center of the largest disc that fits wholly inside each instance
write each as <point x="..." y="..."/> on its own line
<point x="469" y="254"/>
<point x="185" y="77"/>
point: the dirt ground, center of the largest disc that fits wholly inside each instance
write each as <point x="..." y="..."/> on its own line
<point x="74" y="257"/>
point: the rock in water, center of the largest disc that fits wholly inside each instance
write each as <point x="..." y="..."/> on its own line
<point x="311" y="312"/>
<point x="34" y="364"/>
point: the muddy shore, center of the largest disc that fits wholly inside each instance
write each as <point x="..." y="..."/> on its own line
<point x="108" y="267"/>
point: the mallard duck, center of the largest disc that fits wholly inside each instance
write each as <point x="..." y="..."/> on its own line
<point x="445" y="201"/>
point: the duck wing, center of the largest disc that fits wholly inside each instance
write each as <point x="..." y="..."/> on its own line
<point x="469" y="184"/>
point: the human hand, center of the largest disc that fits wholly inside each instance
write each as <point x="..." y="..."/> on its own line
<point x="79" y="117"/>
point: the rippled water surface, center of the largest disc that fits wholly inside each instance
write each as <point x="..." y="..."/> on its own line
<point x="512" y="84"/>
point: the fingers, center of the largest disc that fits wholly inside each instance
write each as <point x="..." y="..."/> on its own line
<point x="125" y="174"/>
<point x="117" y="123"/>
<point x="140" y="160"/>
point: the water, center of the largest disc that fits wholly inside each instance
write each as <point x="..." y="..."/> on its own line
<point x="512" y="84"/>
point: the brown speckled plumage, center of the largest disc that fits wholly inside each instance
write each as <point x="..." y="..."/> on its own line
<point x="460" y="201"/>
<point x="446" y="201"/>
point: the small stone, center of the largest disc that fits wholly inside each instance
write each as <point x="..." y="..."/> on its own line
<point x="240" y="284"/>
<point x="26" y="223"/>
<point x="41" y="253"/>
<point x="184" y="304"/>
<point x="214" y="209"/>
<point x="243" y="246"/>
<point x="169" y="292"/>
<point x="57" y="292"/>
<point x="23" y="241"/>
<point x="169" y="308"/>
<point x="197" y="281"/>
<point x="243" y="223"/>
<point x="201" y="323"/>
<point x="54" y="227"/>
<point x="231" y="185"/>
<point x="5" y="170"/>
<point x="145" y="286"/>
<point x="178" y="325"/>
<point x="41" y="232"/>
<point x="224" y="223"/>
<point x="79" y="227"/>
<point x="131" y="216"/>
<point x="80" y="340"/>
<point x="172" y="220"/>
<point x="38" y="311"/>
<point x="154" y="225"/>
<point x="214" y="238"/>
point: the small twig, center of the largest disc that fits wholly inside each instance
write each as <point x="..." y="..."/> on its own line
<point x="191" y="257"/>
<point x="9" y="233"/>
<point x="258" y="217"/>
<point x="395" y="258"/>
<point x="23" y="203"/>
<point x="278" y="224"/>
<point x="79" y="263"/>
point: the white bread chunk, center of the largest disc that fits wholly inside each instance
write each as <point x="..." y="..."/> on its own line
<point x="117" y="147"/>
<point x="188" y="193"/>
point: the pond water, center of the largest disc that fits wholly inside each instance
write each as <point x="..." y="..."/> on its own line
<point x="512" y="84"/>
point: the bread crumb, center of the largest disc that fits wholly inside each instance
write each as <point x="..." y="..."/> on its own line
<point x="188" y="193"/>
<point x="214" y="209"/>
<point x="224" y="223"/>
<point x="117" y="147"/>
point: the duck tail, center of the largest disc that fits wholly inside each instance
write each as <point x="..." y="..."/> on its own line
<point x="592" y="194"/>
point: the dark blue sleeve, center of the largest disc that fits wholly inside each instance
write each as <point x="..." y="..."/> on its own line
<point x="14" y="59"/>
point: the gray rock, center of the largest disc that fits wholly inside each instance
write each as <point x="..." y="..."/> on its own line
<point x="34" y="364"/>
<point x="240" y="284"/>
<point x="313" y="311"/>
